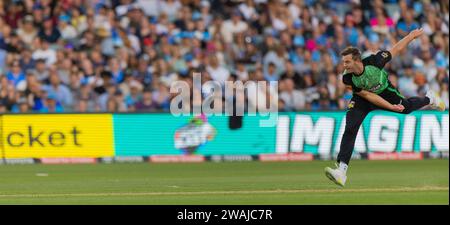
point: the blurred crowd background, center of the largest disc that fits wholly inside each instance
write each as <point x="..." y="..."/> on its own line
<point x="122" y="55"/>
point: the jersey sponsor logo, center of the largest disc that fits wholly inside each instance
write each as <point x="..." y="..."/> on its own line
<point x="373" y="79"/>
<point x="351" y="104"/>
<point x="375" y="89"/>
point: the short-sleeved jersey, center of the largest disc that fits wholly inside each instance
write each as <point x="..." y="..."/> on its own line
<point x="374" y="78"/>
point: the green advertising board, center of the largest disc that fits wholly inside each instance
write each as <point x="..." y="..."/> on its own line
<point x="321" y="132"/>
<point x="309" y="132"/>
<point x="165" y="134"/>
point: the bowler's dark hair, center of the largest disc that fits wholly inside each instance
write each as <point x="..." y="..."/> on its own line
<point x="356" y="54"/>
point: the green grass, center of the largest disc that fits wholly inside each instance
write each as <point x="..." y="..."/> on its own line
<point x="369" y="182"/>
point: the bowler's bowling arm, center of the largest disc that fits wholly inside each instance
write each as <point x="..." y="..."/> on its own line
<point x="377" y="100"/>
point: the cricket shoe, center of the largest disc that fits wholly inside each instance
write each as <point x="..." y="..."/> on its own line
<point x="435" y="101"/>
<point x="336" y="175"/>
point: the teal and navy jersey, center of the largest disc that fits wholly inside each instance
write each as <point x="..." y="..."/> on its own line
<point x="374" y="78"/>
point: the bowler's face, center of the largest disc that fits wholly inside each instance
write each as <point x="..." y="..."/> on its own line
<point x="349" y="63"/>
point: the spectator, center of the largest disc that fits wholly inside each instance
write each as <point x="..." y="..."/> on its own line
<point x="255" y="92"/>
<point x="275" y="57"/>
<point x="86" y="99"/>
<point x="3" y="55"/>
<point x="104" y="98"/>
<point x="290" y="73"/>
<point x="170" y="8"/>
<point x="39" y="96"/>
<point x="248" y="10"/>
<point x="381" y="23"/>
<point x="15" y="75"/>
<point x="59" y="91"/>
<point x="406" y="83"/>
<point x="27" y="32"/>
<point x="332" y="86"/>
<point x="407" y="23"/>
<point x="293" y="99"/>
<point x="241" y="71"/>
<point x="3" y="108"/>
<point x="281" y="106"/>
<point x="102" y="22"/>
<point x="162" y="97"/>
<point x="82" y="106"/>
<point x="233" y="26"/>
<point x="27" y="63"/>
<point x="78" y="20"/>
<point x="68" y="32"/>
<point x="120" y="102"/>
<point x="125" y="86"/>
<point x="40" y="71"/>
<point x="217" y="72"/>
<point x="134" y="95"/>
<point x="324" y="102"/>
<point x="142" y="74"/>
<point x="116" y="70"/>
<point x="21" y="106"/>
<point x="271" y="73"/>
<point x="146" y="104"/>
<point x="51" y="105"/>
<point x="44" y="52"/>
<point x="444" y="94"/>
<point x="15" y="14"/>
<point x="49" y="33"/>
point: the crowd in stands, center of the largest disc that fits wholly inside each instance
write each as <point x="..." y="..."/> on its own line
<point x="123" y="55"/>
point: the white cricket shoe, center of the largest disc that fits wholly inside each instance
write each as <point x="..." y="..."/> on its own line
<point x="435" y="101"/>
<point x="336" y="175"/>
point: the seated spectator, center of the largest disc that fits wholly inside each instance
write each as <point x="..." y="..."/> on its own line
<point x="3" y="108"/>
<point x="217" y="72"/>
<point x="51" y="105"/>
<point x="233" y="26"/>
<point x="116" y="70"/>
<point x="146" y="104"/>
<point x="27" y="31"/>
<point x="406" y="24"/>
<point x="161" y="96"/>
<point x="104" y="98"/>
<point x="120" y="101"/>
<point x="15" y="75"/>
<point x="271" y="73"/>
<point x="381" y="23"/>
<point x="21" y="106"/>
<point x="68" y="32"/>
<point x="27" y="62"/>
<point x="294" y="100"/>
<point x="45" y="52"/>
<point x="86" y="99"/>
<point x="62" y="92"/>
<point x="134" y="95"/>
<point x="292" y="74"/>
<point x="406" y="83"/>
<point x="241" y="71"/>
<point x="49" y="32"/>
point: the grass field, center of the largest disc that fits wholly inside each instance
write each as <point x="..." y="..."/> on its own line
<point x="369" y="182"/>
